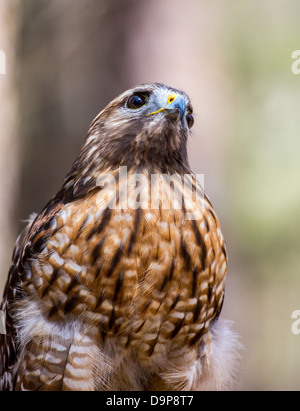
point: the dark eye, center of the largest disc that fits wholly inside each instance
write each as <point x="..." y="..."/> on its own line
<point x="136" y="101"/>
<point x="190" y="120"/>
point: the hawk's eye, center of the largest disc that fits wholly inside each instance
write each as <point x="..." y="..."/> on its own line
<point x="190" y="120"/>
<point x="136" y="101"/>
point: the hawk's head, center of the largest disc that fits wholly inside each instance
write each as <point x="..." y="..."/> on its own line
<point x="146" y="127"/>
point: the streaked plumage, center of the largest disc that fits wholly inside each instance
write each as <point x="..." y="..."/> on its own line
<point x="124" y="298"/>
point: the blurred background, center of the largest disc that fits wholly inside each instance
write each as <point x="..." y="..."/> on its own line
<point x="66" y="59"/>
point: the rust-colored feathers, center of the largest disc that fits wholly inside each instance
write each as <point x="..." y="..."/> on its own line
<point x="118" y="283"/>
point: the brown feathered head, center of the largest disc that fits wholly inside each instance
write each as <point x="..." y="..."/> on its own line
<point x="146" y="127"/>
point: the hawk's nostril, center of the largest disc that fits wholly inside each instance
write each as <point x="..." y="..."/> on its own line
<point x="171" y="98"/>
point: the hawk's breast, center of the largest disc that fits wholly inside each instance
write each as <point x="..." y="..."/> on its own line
<point x="147" y="275"/>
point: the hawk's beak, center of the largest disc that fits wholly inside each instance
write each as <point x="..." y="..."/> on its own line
<point x="176" y="105"/>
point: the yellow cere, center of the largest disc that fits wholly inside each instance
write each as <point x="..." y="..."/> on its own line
<point x="171" y="98"/>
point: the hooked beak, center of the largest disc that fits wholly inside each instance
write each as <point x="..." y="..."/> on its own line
<point x="176" y="106"/>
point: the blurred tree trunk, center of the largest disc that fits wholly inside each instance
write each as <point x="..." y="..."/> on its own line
<point x="73" y="55"/>
<point x="9" y="152"/>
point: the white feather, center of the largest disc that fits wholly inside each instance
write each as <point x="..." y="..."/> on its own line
<point x="221" y="365"/>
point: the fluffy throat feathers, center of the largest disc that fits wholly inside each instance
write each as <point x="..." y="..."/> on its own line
<point x="148" y="144"/>
<point x="139" y="153"/>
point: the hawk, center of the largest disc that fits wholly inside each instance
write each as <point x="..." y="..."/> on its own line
<point x="118" y="283"/>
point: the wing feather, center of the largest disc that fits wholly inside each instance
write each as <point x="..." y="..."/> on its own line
<point x="8" y="341"/>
